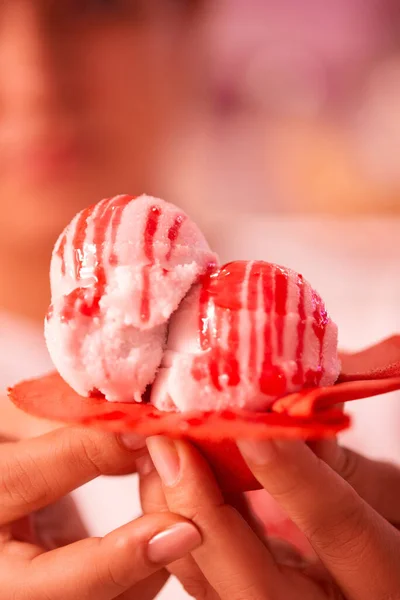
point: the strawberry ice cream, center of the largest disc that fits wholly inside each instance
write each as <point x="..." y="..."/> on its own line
<point x="138" y="300"/>
<point x="253" y="332"/>
<point x="118" y="272"/>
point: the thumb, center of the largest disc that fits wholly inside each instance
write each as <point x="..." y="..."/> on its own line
<point x="38" y="472"/>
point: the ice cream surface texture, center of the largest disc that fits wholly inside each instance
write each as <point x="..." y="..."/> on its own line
<point x="138" y="299"/>
<point x="250" y="333"/>
<point x="118" y="272"/>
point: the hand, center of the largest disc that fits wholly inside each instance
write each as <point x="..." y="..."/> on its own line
<point x="358" y="549"/>
<point x="126" y="564"/>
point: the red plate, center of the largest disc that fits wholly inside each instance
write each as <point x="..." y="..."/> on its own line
<point x="309" y="414"/>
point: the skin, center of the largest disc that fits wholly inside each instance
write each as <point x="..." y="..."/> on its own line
<point x="37" y="555"/>
<point x="346" y="506"/>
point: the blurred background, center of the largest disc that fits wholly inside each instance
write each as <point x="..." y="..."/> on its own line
<point x="274" y="123"/>
<point x="296" y="108"/>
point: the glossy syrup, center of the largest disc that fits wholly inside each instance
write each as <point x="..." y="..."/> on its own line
<point x="61" y="252"/>
<point x="220" y="300"/>
<point x="107" y="220"/>
<point x="85" y="300"/>
<point x="272" y="380"/>
<point x="319" y="327"/>
<point x="153" y="217"/>
<point x="298" y="378"/>
<point x="173" y="233"/>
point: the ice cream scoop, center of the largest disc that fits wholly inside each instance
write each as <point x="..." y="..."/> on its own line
<point x="118" y="272"/>
<point x="247" y="334"/>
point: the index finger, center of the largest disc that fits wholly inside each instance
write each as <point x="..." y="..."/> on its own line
<point x="359" y="548"/>
<point x="35" y="473"/>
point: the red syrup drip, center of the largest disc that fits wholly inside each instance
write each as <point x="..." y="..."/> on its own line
<point x="224" y="361"/>
<point x="80" y="236"/>
<point x="80" y="295"/>
<point x="118" y="208"/>
<point x="201" y="368"/>
<point x="222" y="291"/>
<point x="148" y="248"/>
<point x="319" y="326"/>
<point x="231" y="366"/>
<point x="173" y="235"/>
<point x="218" y="361"/>
<point x="252" y="306"/>
<point x="299" y="378"/>
<point x="272" y="380"/>
<point x="281" y="294"/>
<point x="87" y="300"/>
<point x="80" y="300"/>
<point x="95" y="393"/>
<point x="215" y="359"/>
<point x="61" y="252"/>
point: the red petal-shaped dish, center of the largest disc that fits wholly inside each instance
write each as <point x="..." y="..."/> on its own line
<point x="376" y="362"/>
<point x="307" y="414"/>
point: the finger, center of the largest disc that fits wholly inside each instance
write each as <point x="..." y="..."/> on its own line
<point x="35" y="473"/>
<point x="375" y="481"/>
<point x="359" y="548"/>
<point x="232" y="558"/>
<point x="153" y="500"/>
<point x="104" y="568"/>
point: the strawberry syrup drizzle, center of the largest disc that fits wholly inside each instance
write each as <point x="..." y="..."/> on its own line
<point x="217" y="361"/>
<point x="252" y="305"/>
<point x="231" y="366"/>
<point x="173" y="235"/>
<point x="61" y="252"/>
<point x="80" y="236"/>
<point x="272" y="379"/>
<point x="298" y="378"/>
<point x="281" y="294"/>
<point x="118" y="208"/>
<point x="79" y="296"/>
<point x="319" y="327"/>
<point x="150" y="230"/>
<point x="86" y="299"/>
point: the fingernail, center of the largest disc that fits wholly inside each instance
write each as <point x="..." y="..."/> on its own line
<point x="165" y="458"/>
<point x="132" y="441"/>
<point x="173" y="543"/>
<point x="144" y="465"/>
<point x="258" y="452"/>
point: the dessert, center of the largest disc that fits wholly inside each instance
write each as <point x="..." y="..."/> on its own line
<point x="118" y="272"/>
<point x="254" y="332"/>
<point x="149" y="333"/>
<point x="138" y="300"/>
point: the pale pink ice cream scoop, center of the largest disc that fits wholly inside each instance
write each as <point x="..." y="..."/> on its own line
<point x="138" y="300"/>
<point x="118" y="272"/>
<point x="249" y="333"/>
